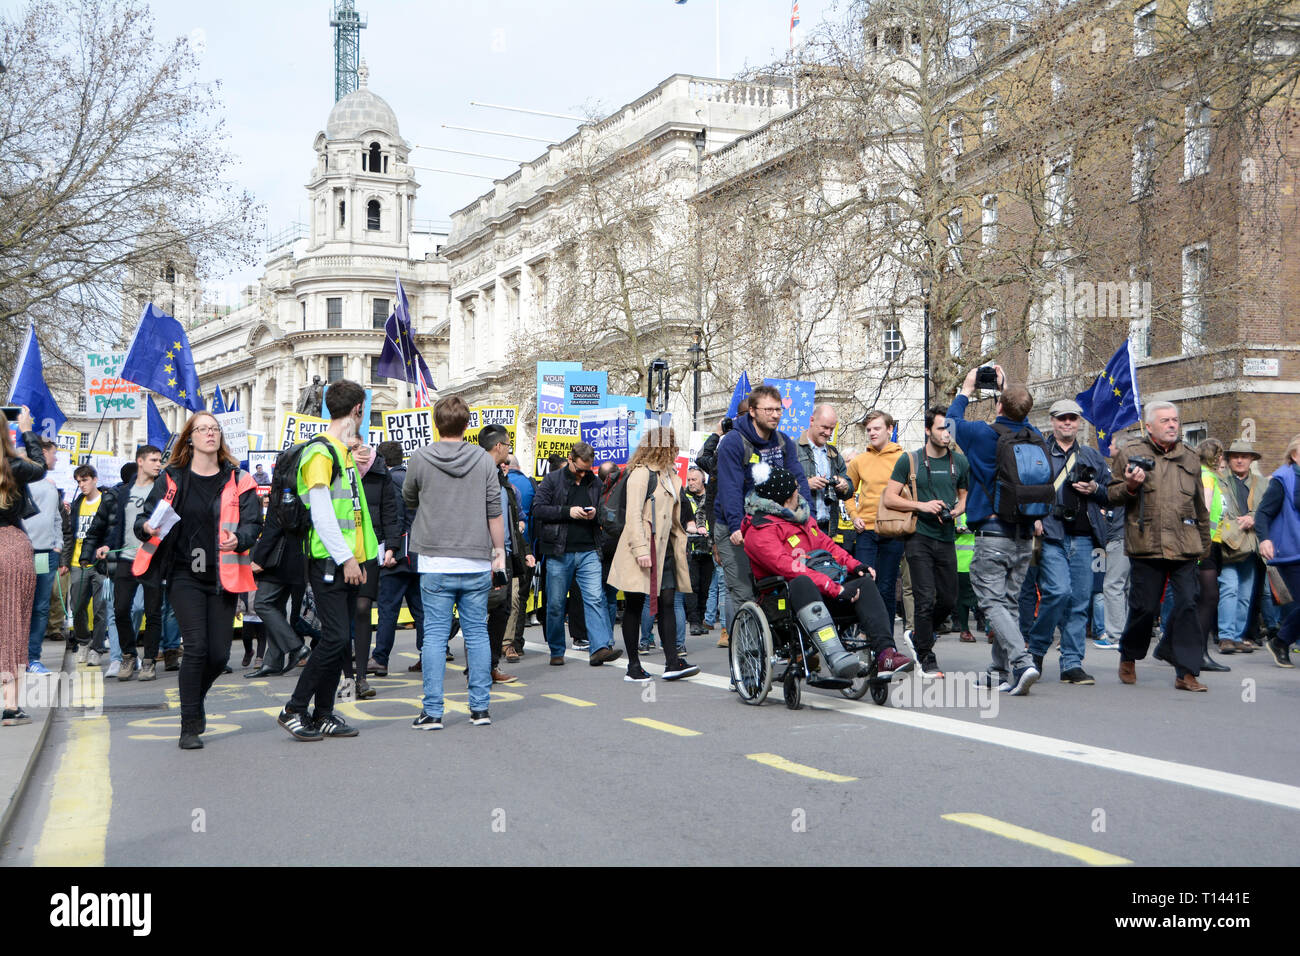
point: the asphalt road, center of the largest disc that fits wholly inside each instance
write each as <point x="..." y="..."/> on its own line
<point x="683" y="773"/>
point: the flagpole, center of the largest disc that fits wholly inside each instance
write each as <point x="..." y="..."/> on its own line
<point x="717" y="38"/>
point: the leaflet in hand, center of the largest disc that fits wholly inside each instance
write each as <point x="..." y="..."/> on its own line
<point x="163" y="519"/>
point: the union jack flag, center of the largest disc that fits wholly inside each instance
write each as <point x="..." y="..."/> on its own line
<point x="794" y="23"/>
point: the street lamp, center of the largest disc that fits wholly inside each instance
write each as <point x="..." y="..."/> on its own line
<point x="696" y="352"/>
<point x="927" y="283"/>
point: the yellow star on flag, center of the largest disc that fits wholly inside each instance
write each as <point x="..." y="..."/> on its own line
<point x="1101" y="433"/>
<point x="171" y="383"/>
<point x="1111" y="379"/>
<point x="1118" y="393"/>
<point x="171" y="355"/>
<point x="167" y="369"/>
<point x="176" y="345"/>
<point x="182" y="393"/>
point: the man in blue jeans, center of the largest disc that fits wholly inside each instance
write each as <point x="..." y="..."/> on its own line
<point x="459" y="535"/>
<point x="564" y="517"/>
<point x="1073" y="528"/>
<point x="46" y="534"/>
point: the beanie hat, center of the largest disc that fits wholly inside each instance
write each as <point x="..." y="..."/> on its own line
<point x="775" y="484"/>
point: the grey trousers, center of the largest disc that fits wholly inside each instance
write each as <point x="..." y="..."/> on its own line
<point x="1115" y="589"/>
<point x="997" y="573"/>
<point x="86" y="587"/>
<point x="735" y="568"/>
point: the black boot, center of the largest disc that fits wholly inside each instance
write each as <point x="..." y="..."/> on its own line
<point x="190" y="730"/>
<point x="1208" y="663"/>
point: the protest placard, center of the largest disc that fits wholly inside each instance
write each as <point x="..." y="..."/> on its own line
<point x="108" y="395"/>
<point x="605" y="430"/>
<point x="556" y="435"/>
<point x="584" y="390"/>
<point x="235" y="432"/>
<point x="264" y="460"/>
<point x="481" y="416"/>
<point x="550" y="386"/>
<point x="295" y="427"/>
<point x="411" y="428"/>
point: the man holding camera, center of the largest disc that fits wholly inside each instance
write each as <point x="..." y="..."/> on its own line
<point x="1074" y="527"/>
<point x="942" y="479"/>
<point x="1166" y="531"/>
<point x="825" y="468"/>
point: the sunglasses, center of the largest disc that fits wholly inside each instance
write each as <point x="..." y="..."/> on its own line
<point x="1067" y="418"/>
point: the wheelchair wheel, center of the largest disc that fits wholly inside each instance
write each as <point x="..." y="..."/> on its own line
<point x="879" y="692"/>
<point x="751" y="654"/>
<point x="792" y="687"/>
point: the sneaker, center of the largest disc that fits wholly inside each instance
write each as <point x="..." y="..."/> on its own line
<point x="149" y="671"/>
<point x="991" y="679"/>
<point x="683" y="669"/>
<point x="299" y="726"/>
<point x="364" y="690"/>
<point x="12" y="718"/>
<point x="480" y="718"/>
<point x="127" y="670"/>
<point x="1281" y="652"/>
<point x="581" y="645"/>
<point x="114" y="669"/>
<point x="36" y="667"/>
<point x="604" y="656"/>
<point x="698" y="629"/>
<point x="93" y="658"/>
<point x="647" y="647"/>
<point x="374" y="667"/>
<point x="889" y="661"/>
<point x="967" y="637"/>
<point x="331" y="725"/>
<point x="1020" y="682"/>
<point x="1077" y="675"/>
<point x="347" y="689"/>
<point x="82" y="651"/>
<point x="638" y="676"/>
<point x="1105" y="644"/>
<point x="425" y="722"/>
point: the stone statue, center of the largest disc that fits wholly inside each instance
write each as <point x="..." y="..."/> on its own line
<point x="312" y="395"/>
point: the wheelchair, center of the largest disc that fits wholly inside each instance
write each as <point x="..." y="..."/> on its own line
<point x="768" y="644"/>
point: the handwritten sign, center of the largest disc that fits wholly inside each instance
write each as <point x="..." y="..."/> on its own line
<point x="107" y="395"/>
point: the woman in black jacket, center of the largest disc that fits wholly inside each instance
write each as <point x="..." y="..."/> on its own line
<point x="17" y="561"/>
<point x="203" y="560"/>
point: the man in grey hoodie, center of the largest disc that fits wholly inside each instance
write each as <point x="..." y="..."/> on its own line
<point x="459" y="537"/>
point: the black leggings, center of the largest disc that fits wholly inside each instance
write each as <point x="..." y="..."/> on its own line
<point x="633" y="602"/>
<point x="1207" y="601"/>
<point x="253" y="630"/>
<point x="361" y="631"/>
<point x="207" y="621"/>
<point x="873" y="619"/>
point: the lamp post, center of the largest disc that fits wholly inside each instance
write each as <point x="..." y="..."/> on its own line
<point x="696" y="352"/>
<point x="927" y="282"/>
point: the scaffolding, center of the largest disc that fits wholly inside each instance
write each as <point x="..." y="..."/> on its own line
<point x="347" y="24"/>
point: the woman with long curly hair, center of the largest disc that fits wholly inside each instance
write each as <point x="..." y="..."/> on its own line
<point x="650" y="560"/>
<point x="203" y="560"/>
<point x="17" y="561"/>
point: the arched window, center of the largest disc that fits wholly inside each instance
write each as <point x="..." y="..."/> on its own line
<point x="343" y="212"/>
<point x="376" y="164"/>
<point x="372" y="214"/>
<point x="171" y="272"/>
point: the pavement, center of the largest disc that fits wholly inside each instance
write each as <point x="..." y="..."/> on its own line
<point x="581" y="767"/>
<point x="20" y="746"/>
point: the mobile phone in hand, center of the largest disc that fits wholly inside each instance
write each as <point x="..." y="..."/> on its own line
<point x="500" y="579"/>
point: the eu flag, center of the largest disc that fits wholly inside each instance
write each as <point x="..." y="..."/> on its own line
<point x="218" y="403"/>
<point x="400" y="358"/>
<point x="29" y="388"/>
<point x="797" y="397"/>
<point x="740" y="391"/>
<point x="159" y="359"/>
<point x="1113" y="401"/>
<point x="159" y="434"/>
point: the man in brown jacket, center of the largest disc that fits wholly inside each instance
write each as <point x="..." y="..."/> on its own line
<point x="1167" y="530"/>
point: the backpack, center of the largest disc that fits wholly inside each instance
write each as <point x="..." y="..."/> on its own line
<point x="824" y="563"/>
<point x="292" y="513"/>
<point x="612" y="513"/>
<point x="1023" y="489"/>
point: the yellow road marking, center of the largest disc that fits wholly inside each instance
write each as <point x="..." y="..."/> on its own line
<point x="76" y="827"/>
<point x="660" y="725"/>
<point x="789" y="766"/>
<point x="1041" y="840"/>
<point x="566" y="699"/>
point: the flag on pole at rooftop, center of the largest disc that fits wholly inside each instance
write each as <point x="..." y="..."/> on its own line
<point x="159" y="433"/>
<point x="400" y="358"/>
<point x="794" y="24"/>
<point x="29" y="388"/>
<point x="1113" y="401"/>
<point x="159" y="359"/>
<point x="218" y="402"/>
<point x="740" y="391"/>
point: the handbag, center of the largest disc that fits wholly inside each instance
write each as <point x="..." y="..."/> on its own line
<point x="896" y="524"/>
<point x="1235" y="542"/>
<point x="1281" y="593"/>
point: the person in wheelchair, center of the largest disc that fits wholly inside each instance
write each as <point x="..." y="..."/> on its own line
<point x="782" y="539"/>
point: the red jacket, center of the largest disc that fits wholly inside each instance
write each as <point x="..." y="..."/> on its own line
<point x="775" y="545"/>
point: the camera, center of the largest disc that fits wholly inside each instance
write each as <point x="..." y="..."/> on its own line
<point x="986" y="377"/>
<point x="1082" y="474"/>
<point x="1143" y="462"/>
<point x="945" y="514"/>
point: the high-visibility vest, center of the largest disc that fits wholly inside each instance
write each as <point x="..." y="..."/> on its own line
<point x="1210" y="479"/>
<point x="965" y="545"/>
<point x="234" y="568"/>
<point x="348" y="498"/>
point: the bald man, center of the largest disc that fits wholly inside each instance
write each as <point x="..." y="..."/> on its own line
<point x="824" y="465"/>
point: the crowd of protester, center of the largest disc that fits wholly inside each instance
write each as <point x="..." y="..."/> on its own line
<point x="1195" y="546"/>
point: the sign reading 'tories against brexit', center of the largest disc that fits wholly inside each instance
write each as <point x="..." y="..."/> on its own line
<point x="605" y="430"/>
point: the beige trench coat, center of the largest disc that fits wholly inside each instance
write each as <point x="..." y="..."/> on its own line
<point x="665" y="507"/>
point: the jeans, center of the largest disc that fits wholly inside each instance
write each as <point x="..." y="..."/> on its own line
<point x="1028" y="602"/>
<point x="996" y="575"/>
<point x="1115" y="589"/>
<point x="1065" y="583"/>
<point x="679" y="618"/>
<point x="1236" y="580"/>
<point x="468" y="593"/>
<point x="883" y="554"/>
<point x="171" y="628"/>
<point x="110" y="624"/>
<point x="393" y="588"/>
<point x="584" y="569"/>
<point x="41" y="607"/>
<point x="716" y="607"/>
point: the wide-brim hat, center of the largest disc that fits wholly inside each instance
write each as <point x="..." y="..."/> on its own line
<point x="1240" y="447"/>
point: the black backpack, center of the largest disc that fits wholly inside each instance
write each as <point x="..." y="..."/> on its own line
<point x="612" y="513"/>
<point x="291" y="511"/>
<point x="1023" y="489"/>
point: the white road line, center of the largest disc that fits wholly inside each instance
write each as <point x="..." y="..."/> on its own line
<point x="1188" y="775"/>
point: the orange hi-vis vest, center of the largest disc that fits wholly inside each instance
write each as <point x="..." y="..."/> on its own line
<point x="234" y="568"/>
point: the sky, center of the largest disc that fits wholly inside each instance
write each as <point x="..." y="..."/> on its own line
<point x="430" y="58"/>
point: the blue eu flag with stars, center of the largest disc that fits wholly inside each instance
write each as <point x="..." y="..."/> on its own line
<point x="159" y="359"/>
<point x="797" y="397"/>
<point x="1113" y="402"/>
